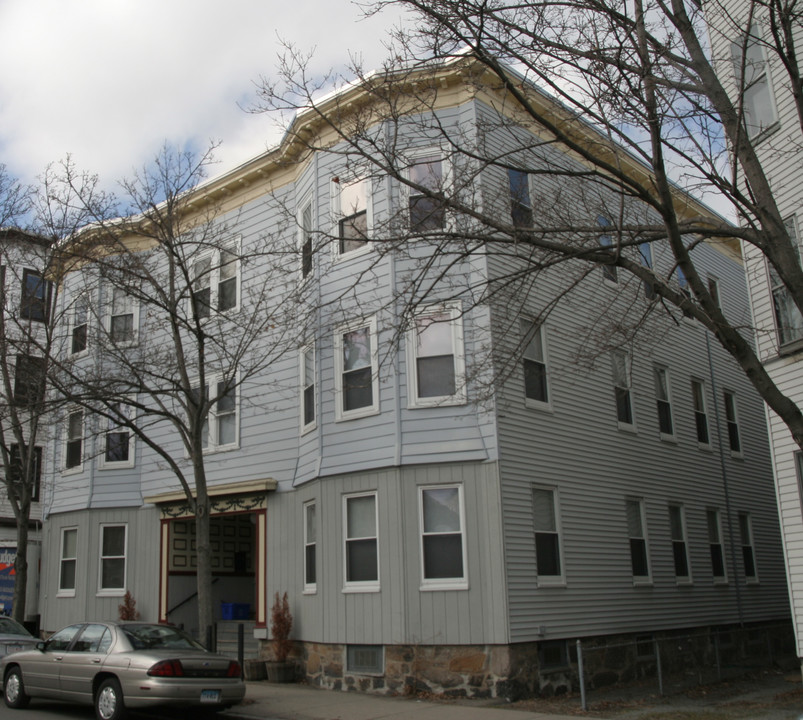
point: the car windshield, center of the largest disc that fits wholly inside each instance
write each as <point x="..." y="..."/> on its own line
<point x="148" y="637"/>
<point x="12" y="627"/>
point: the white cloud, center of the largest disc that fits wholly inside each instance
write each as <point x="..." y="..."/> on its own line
<point x="108" y="81"/>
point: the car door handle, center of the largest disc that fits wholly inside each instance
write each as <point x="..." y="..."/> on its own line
<point x="96" y="661"/>
<point x="58" y="658"/>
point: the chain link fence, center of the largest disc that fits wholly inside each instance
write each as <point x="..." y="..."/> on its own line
<point x="668" y="663"/>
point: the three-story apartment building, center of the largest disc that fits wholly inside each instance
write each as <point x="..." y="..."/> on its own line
<point x="454" y="478"/>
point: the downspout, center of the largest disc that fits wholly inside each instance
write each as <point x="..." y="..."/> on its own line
<point x="724" y="472"/>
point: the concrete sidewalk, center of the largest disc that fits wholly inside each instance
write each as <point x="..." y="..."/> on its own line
<point x="270" y="701"/>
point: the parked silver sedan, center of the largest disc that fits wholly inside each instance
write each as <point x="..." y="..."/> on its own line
<point x="14" y="637"/>
<point x="117" y="666"/>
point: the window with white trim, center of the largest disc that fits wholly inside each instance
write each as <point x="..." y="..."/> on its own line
<point x="73" y="443"/>
<point x="663" y="401"/>
<point x="118" y="440"/>
<point x="29" y="380"/>
<point x="79" y="324"/>
<point x="748" y="551"/>
<point x="714" y="524"/>
<point x="546" y="524"/>
<point x="307" y="370"/>
<point x="443" y="559"/>
<point x="753" y="83"/>
<point x="221" y="427"/>
<point x="680" y="552"/>
<point x="123" y="319"/>
<point x="428" y="171"/>
<point x="112" y="571"/>
<point x="435" y="357"/>
<point x="521" y="204"/>
<point x="609" y="270"/>
<point x="620" y="367"/>
<point x="216" y="280"/>
<point x="353" y="215"/>
<point x="310" y="547"/>
<point x="534" y="361"/>
<point x="700" y="413"/>
<point x="15" y="469"/>
<point x="357" y="382"/>
<point x="34" y="296"/>
<point x="637" y="536"/>
<point x="732" y="419"/>
<point x="306" y="239"/>
<point x="68" y="561"/>
<point x="361" y="542"/>
<point x="788" y="318"/>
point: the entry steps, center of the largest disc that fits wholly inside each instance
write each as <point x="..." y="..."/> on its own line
<point x="227" y="639"/>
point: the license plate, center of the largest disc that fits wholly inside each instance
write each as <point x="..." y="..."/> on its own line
<point x="13" y="648"/>
<point x="210" y="696"/>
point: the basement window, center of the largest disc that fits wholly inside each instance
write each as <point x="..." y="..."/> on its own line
<point x="364" y="659"/>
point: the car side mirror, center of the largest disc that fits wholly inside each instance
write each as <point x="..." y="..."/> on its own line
<point x="40" y="646"/>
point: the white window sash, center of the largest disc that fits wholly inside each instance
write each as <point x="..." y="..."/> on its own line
<point x="338" y="187"/>
<point x="452" y="583"/>
<point x="340" y="413"/>
<point x="112" y="591"/>
<point x="354" y="586"/>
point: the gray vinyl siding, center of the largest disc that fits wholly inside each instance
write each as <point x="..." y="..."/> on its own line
<point x="86" y="604"/>
<point x="400" y="612"/>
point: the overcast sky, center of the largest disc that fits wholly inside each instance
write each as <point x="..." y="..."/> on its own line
<point x="109" y="81"/>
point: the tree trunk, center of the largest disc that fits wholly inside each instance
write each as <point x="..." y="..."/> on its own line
<point x="21" y="570"/>
<point x="203" y="554"/>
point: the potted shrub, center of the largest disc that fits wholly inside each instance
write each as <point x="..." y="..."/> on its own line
<point x="280" y="669"/>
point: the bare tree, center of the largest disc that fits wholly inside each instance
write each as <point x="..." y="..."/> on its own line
<point x="639" y="110"/>
<point x="25" y="324"/>
<point x="173" y="308"/>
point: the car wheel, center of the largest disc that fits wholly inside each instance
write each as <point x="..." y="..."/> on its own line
<point x="14" y="690"/>
<point x="109" y="704"/>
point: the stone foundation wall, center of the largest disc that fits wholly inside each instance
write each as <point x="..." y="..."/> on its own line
<point x="542" y="669"/>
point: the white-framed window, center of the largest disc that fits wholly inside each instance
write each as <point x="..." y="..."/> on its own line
<point x="732" y="419"/>
<point x="521" y="204"/>
<point x="360" y="543"/>
<point x="680" y="550"/>
<point x="443" y="547"/>
<point x="753" y="83"/>
<point x="748" y="550"/>
<point x="430" y="172"/>
<point x="221" y="430"/>
<point x="534" y="362"/>
<point x="306" y="239"/>
<point x="620" y="366"/>
<point x="216" y="280"/>
<point x="310" y="510"/>
<point x="351" y="201"/>
<point x="716" y="550"/>
<point x="546" y="525"/>
<point x="15" y="469"/>
<point x="435" y="357"/>
<point x="73" y="442"/>
<point x="112" y="568"/>
<point x="34" y="296"/>
<point x="68" y="561"/>
<point x="700" y="413"/>
<point x="118" y="440"/>
<point x="307" y="373"/>
<point x="637" y="536"/>
<point x="122" y="322"/>
<point x="79" y="324"/>
<point x="609" y="271"/>
<point x="645" y="253"/>
<point x="29" y="380"/>
<point x="663" y="402"/>
<point x="788" y="318"/>
<point x="356" y="371"/>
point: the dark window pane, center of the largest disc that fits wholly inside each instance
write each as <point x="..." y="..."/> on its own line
<point x="353" y="232"/>
<point x="426" y="213"/>
<point x="306" y="256"/>
<point x="74" y="453"/>
<point x="113" y="573"/>
<point x="116" y="447"/>
<point x="309" y="404"/>
<point x="357" y="389"/>
<point x="717" y="561"/>
<point x="67" y="579"/>
<point x="122" y="328"/>
<point x="701" y="422"/>
<point x="624" y="412"/>
<point x="638" y="557"/>
<point x="309" y="565"/>
<point x="547" y="554"/>
<point x="227" y="294"/>
<point x="681" y="561"/>
<point x="665" y="417"/>
<point x="35" y="296"/>
<point x="749" y="562"/>
<point x="202" y="302"/>
<point x="29" y="372"/>
<point x="361" y="564"/>
<point x="535" y="386"/>
<point x="443" y="556"/>
<point x="436" y="376"/>
<point x="733" y="437"/>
